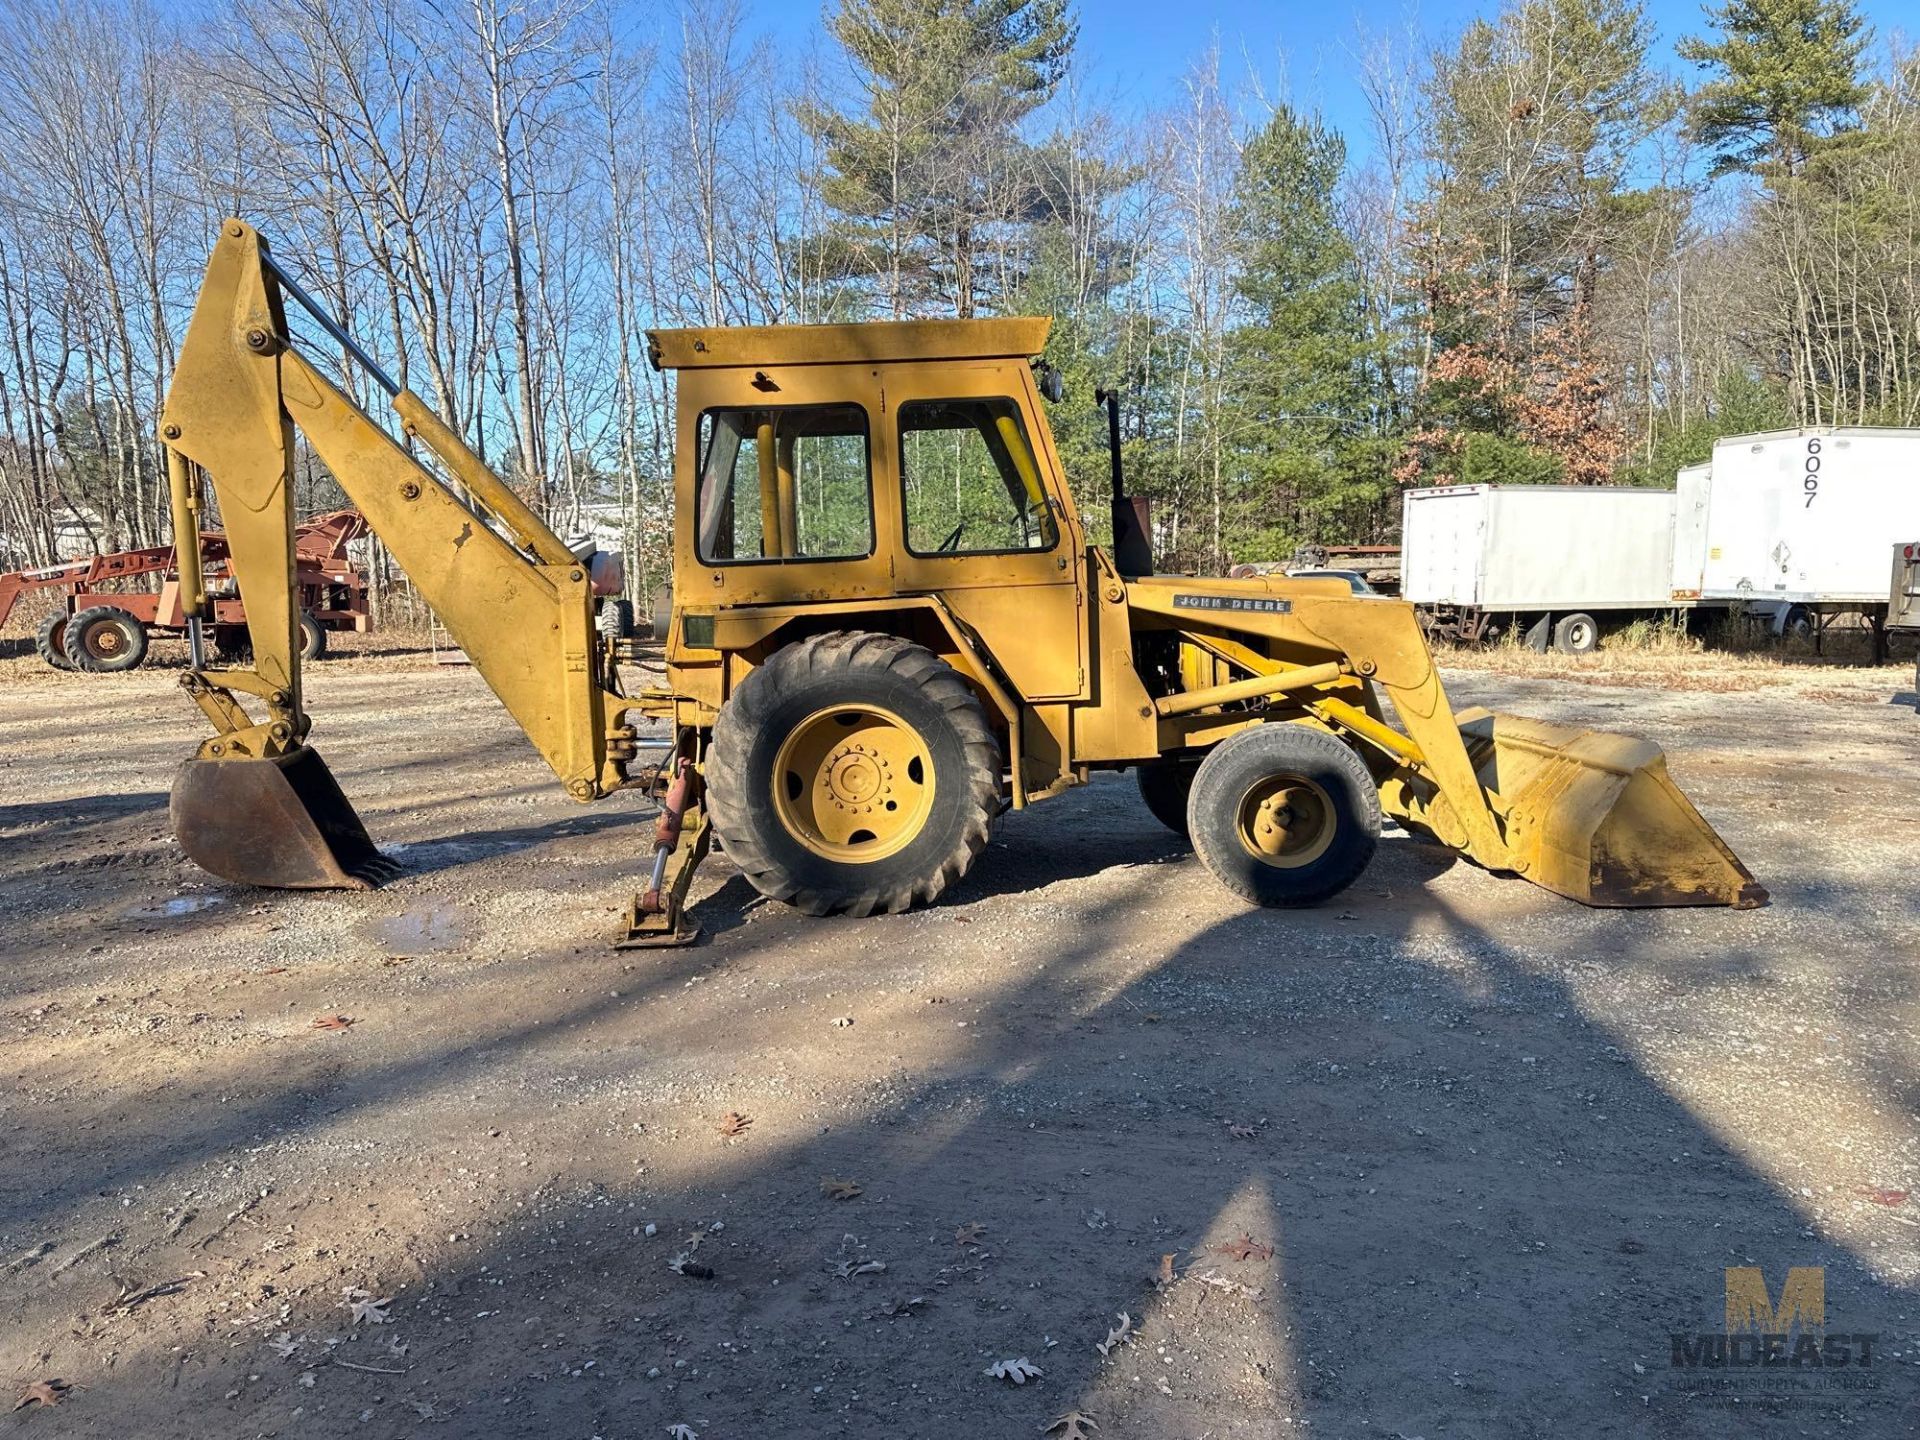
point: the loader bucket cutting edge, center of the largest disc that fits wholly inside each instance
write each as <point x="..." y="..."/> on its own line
<point x="1594" y="816"/>
<point x="280" y="822"/>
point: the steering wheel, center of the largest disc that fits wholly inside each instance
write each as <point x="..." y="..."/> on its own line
<point x="952" y="542"/>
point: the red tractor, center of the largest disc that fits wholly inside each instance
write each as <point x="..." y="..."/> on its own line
<point x="102" y="630"/>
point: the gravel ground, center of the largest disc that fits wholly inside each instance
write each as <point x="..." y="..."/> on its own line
<point x="1450" y="1157"/>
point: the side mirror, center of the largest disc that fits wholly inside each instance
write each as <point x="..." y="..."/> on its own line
<point x="1053" y="385"/>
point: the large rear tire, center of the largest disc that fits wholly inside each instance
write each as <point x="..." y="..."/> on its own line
<point x="105" y="640"/>
<point x="1284" y="815"/>
<point x="852" y="773"/>
<point x="51" y="641"/>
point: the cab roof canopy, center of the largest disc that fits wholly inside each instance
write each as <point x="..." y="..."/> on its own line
<point x="718" y="346"/>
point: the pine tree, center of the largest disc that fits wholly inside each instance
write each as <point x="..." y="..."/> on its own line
<point x="1788" y="75"/>
<point x="923" y="177"/>
<point x="1297" y="359"/>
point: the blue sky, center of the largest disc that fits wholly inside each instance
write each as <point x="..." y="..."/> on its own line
<point x="1136" y="51"/>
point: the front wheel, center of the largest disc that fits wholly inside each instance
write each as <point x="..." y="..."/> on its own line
<point x="104" y="640"/>
<point x="852" y="773"/>
<point x="1284" y="815"/>
<point x="313" y="637"/>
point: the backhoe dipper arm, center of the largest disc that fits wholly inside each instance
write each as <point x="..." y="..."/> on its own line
<point x="521" y="608"/>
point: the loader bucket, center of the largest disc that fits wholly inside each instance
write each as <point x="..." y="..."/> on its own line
<point x="1595" y="817"/>
<point x="279" y="822"/>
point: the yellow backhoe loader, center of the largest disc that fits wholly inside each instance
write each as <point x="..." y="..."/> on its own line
<point x="888" y="626"/>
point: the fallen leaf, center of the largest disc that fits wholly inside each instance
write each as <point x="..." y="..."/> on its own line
<point x="1245" y="1248"/>
<point x="43" y="1392"/>
<point x="391" y="960"/>
<point x="287" y="1346"/>
<point x="1241" y="1132"/>
<point x="365" y="1306"/>
<point x="1880" y="1195"/>
<point x="970" y="1233"/>
<point x="1165" y="1277"/>
<point x="333" y="1022"/>
<point x="909" y="1306"/>
<point x="835" y="1188"/>
<point x="684" y="1264"/>
<point x="1071" y="1426"/>
<point x="1018" y="1371"/>
<point x="847" y="1269"/>
<point x="734" y="1123"/>
<point x="1121" y="1332"/>
<point x="682" y="1432"/>
<point x="843" y="1022"/>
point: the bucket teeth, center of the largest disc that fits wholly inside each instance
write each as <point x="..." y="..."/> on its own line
<point x="1594" y="816"/>
<point x="281" y="822"/>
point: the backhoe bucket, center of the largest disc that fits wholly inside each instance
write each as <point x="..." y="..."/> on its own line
<point x="281" y="823"/>
<point x="1595" y="817"/>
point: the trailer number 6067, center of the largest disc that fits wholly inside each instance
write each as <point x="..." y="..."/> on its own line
<point x="1810" y="480"/>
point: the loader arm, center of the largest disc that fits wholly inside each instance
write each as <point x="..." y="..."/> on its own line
<point x="506" y="588"/>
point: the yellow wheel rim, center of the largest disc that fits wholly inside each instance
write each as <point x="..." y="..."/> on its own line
<point x="853" y="783"/>
<point x="1286" y="821"/>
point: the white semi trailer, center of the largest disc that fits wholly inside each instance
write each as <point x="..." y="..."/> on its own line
<point x="1558" y="565"/>
<point x="1799" y="521"/>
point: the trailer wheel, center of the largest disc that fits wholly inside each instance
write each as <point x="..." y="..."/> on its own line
<point x="105" y="640"/>
<point x="51" y="642"/>
<point x="1576" y="634"/>
<point x="313" y="637"/>
<point x="1165" y="786"/>
<point x="851" y="773"/>
<point x="1284" y="815"/>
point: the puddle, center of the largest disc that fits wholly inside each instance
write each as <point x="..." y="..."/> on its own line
<point x="422" y="928"/>
<point x="174" y="908"/>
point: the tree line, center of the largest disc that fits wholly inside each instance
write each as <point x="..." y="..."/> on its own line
<point x="1561" y="252"/>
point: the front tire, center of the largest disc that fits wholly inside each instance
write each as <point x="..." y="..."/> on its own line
<point x="853" y="773"/>
<point x="1284" y="815"/>
<point x="105" y="640"/>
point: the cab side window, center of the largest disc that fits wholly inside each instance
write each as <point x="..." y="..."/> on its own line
<point x="971" y="480"/>
<point x="790" y="482"/>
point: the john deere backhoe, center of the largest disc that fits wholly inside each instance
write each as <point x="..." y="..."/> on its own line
<point x="888" y="627"/>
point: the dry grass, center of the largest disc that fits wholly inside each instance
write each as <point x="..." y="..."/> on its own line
<point x="1668" y="661"/>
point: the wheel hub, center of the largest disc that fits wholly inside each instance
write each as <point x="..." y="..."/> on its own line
<point x="853" y="783"/>
<point x="854" y="777"/>
<point x="1286" y="821"/>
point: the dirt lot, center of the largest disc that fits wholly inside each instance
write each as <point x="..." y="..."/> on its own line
<point x="1502" y="1147"/>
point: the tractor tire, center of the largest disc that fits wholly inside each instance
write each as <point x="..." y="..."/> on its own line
<point x="615" y="620"/>
<point x="1576" y="634"/>
<point x="1165" y="786"/>
<point x="313" y="638"/>
<point x="51" y="642"/>
<point x="1284" y="815"/>
<point x="853" y="773"/>
<point x="105" y="640"/>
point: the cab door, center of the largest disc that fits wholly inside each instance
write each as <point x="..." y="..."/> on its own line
<point x="982" y="519"/>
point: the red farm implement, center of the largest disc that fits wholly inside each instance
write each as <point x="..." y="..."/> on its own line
<point x="105" y="625"/>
